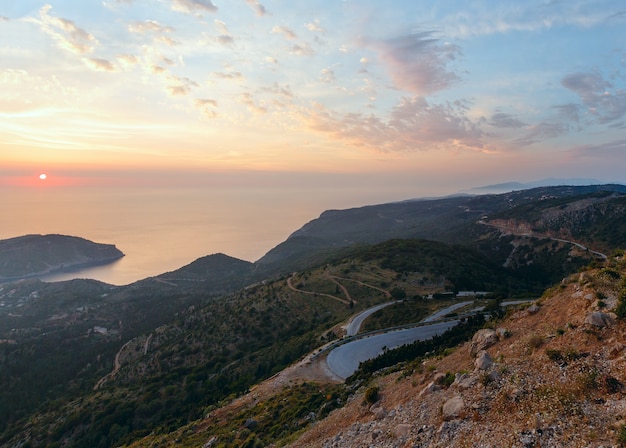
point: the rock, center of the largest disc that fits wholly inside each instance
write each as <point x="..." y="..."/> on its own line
<point x="465" y="381"/>
<point x="429" y="389"/>
<point x="599" y="319"/>
<point x="379" y="413"/>
<point x="483" y="339"/>
<point x="533" y="309"/>
<point x="483" y="361"/>
<point x="402" y="430"/>
<point x="453" y="407"/>
<point x="502" y="333"/>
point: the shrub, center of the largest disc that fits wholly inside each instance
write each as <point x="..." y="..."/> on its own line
<point x="535" y="341"/>
<point x="371" y="395"/>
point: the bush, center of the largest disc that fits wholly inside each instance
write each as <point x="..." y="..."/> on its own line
<point x="371" y="395"/>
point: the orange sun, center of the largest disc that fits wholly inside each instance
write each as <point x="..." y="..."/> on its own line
<point x="43" y="176"/>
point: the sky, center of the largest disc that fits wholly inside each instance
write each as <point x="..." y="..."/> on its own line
<point x="432" y="97"/>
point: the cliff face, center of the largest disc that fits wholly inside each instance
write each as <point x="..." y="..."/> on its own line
<point x="552" y="374"/>
<point x="32" y="255"/>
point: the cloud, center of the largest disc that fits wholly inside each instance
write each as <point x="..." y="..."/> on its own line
<point x="258" y="8"/>
<point x="228" y="75"/>
<point x="300" y="50"/>
<point x="607" y="150"/>
<point x="327" y="75"/>
<point x="4" y="19"/>
<point x="596" y="96"/>
<point x="205" y="102"/>
<point x="128" y="59"/>
<point x="100" y="65"/>
<point x="207" y="107"/>
<point x="191" y="6"/>
<point x="225" y="38"/>
<point x="315" y="26"/>
<point x="418" y="62"/>
<point x="65" y="32"/>
<point x="286" y="32"/>
<point x="542" y="131"/>
<point x="503" y="120"/>
<point x="414" y="124"/>
<point x="149" y="26"/>
<point x="248" y="100"/>
<point x="280" y="90"/>
<point x="271" y="60"/>
<point x="180" y="86"/>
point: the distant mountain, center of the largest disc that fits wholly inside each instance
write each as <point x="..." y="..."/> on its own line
<point x="512" y="186"/>
<point x="33" y="255"/>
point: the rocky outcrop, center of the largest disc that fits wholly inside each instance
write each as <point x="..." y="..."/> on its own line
<point x="482" y="340"/>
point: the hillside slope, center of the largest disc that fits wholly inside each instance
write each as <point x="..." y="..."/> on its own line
<point x="553" y="374"/>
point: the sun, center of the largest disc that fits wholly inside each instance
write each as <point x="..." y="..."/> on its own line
<point x="43" y="176"/>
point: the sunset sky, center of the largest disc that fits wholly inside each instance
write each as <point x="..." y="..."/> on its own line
<point x="448" y="93"/>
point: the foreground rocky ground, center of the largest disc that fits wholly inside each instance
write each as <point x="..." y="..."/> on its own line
<point x="549" y="375"/>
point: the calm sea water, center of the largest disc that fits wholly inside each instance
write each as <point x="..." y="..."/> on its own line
<point x="162" y="229"/>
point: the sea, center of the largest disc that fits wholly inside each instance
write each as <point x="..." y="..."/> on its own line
<point x="160" y="229"/>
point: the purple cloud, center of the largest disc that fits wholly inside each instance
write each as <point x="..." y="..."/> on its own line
<point x="596" y="96"/>
<point x="418" y="62"/>
<point x="414" y="124"/>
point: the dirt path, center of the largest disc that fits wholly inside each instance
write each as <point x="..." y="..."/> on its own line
<point x="384" y="291"/>
<point x="317" y="294"/>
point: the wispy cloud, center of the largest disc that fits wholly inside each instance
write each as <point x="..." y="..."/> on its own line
<point x="285" y="31"/>
<point x="315" y="26"/>
<point x="65" y="32"/>
<point x="248" y="100"/>
<point x="418" y="62"/>
<point x="414" y="124"/>
<point x="258" y="8"/>
<point x="542" y="131"/>
<point x="180" y="86"/>
<point x="207" y="107"/>
<point x="101" y="65"/>
<point x="302" y="50"/>
<point x="504" y="120"/>
<point x="596" y="96"/>
<point x="225" y="37"/>
<point x="149" y="26"/>
<point x="193" y="6"/>
<point x="327" y="75"/>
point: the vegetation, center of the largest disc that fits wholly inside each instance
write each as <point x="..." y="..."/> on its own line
<point x="84" y="364"/>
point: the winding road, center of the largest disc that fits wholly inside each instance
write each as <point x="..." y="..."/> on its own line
<point x="344" y="360"/>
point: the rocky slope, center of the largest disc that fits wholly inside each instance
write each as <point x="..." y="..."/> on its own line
<point x="550" y="375"/>
<point x="33" y="255"/>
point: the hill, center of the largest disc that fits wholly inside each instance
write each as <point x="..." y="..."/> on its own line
<point x="33" y="255"/>
<point x="162" y="361"/>
<point x="449" y="220"/>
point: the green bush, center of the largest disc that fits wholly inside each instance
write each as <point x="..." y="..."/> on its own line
<point x="371" y="395"/>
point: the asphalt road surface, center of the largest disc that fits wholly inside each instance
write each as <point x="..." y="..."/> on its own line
<point x="344" y="360"/>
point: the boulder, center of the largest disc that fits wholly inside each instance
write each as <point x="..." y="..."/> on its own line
<point x="429" y="389"/>
<point x="453" y="407"/>
<point x="599" y="319"/>
<point x="533" y="309"/>
<point x="483" y="361"/>
<point x="482" y="340"/>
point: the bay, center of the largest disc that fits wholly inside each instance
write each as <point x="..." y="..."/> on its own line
<point x="162" y="229"/>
